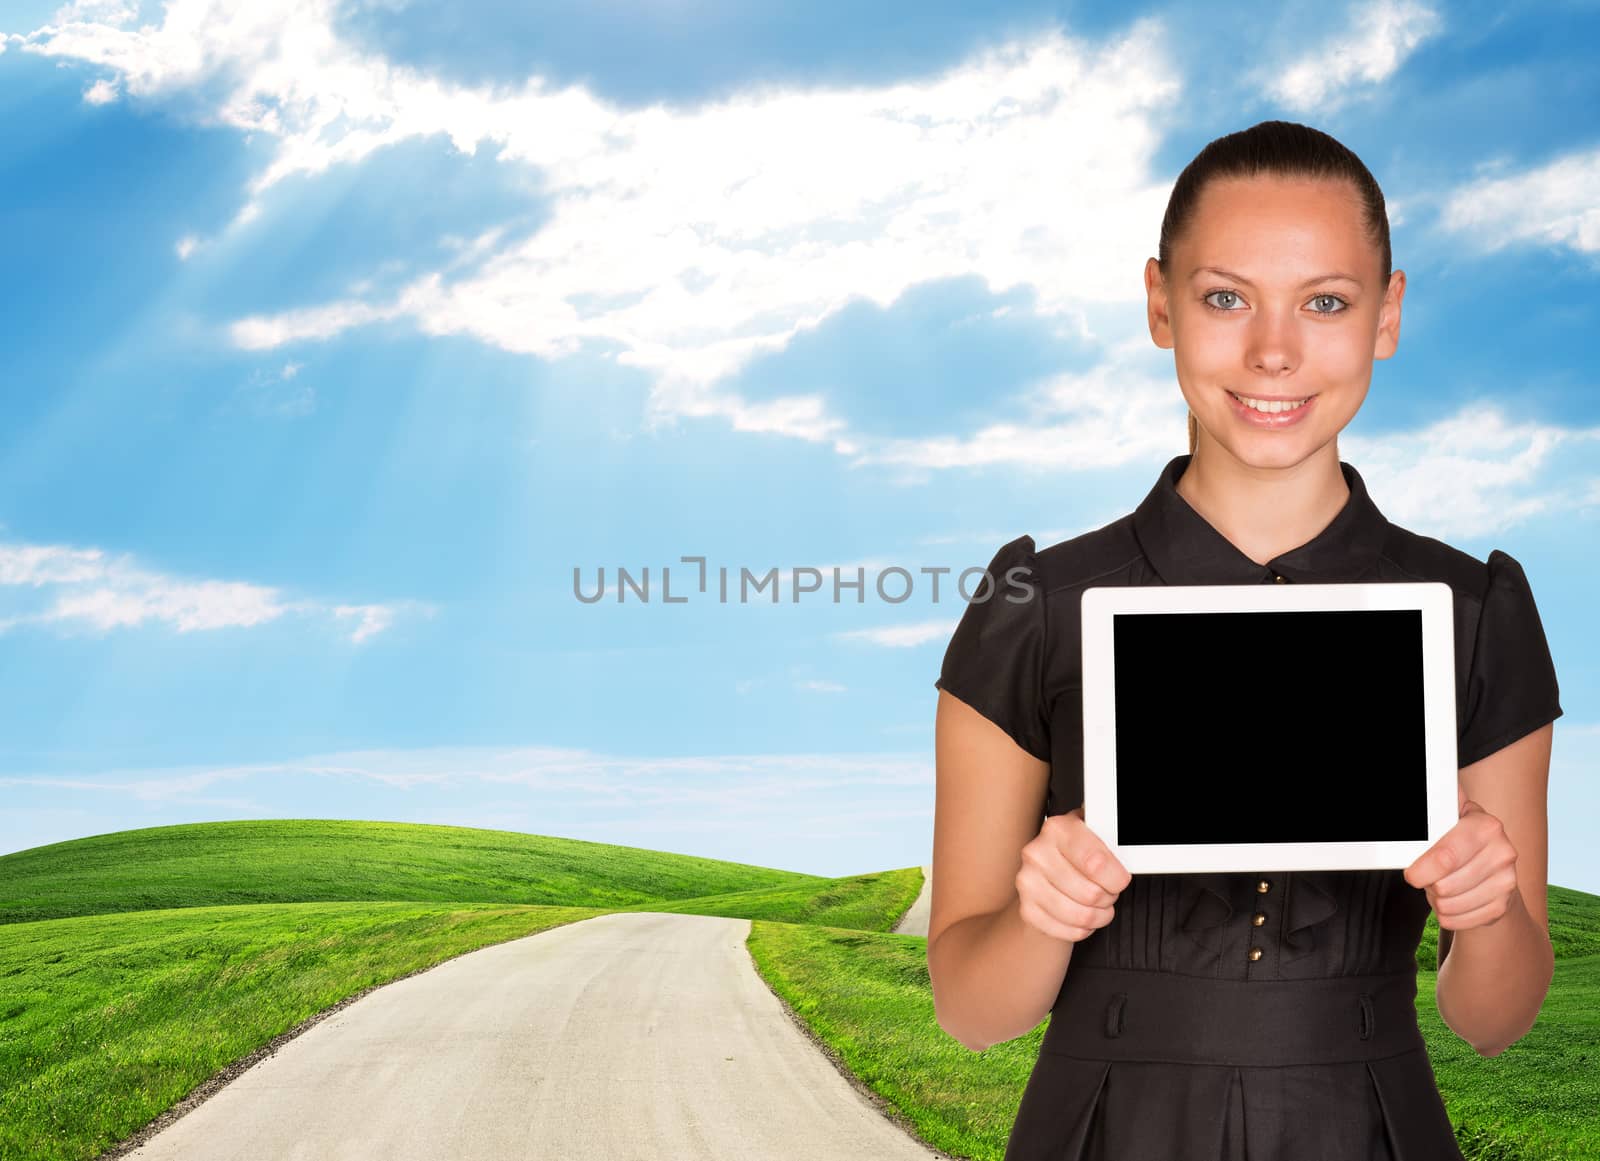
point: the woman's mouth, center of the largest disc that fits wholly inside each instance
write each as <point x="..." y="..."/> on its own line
<point x="1271" y="413"/>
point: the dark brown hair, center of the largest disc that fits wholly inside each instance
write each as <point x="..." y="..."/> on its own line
<point x="1275" y="149"/>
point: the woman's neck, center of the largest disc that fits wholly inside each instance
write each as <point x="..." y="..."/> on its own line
<point x="1264" y="512"/>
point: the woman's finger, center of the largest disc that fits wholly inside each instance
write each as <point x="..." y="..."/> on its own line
<point x="1498" y="884"/>
<point x="1075" y="885"/>
<point x="1088" y="852"/>
<point x="1069" y="912"/>
<point x="1484" y="864"/>
<point x="1037" y="919"/>
<point x="1046" y="869"/>
<point x="1053" y="913"/>
<point x="1062" y="892"/>
<point x="1036" y="916"/>
<point x="1477" y="917"/>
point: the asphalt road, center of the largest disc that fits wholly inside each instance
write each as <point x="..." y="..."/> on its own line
<point x="626" y="1037"/>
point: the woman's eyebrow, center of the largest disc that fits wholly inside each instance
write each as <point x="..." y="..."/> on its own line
<point x="1199" y="270"/>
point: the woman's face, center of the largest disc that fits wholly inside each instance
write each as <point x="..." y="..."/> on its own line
<point x="1271" y="317"/>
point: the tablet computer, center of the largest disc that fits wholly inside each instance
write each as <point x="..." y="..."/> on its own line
<point x="1251" y="727"/>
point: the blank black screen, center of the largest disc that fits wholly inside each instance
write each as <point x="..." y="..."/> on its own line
<point x="1270" y="727"/>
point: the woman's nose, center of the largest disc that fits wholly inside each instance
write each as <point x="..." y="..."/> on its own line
<point x="1274" y="347"/>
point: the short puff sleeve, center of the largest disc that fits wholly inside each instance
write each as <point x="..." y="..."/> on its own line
<point x="1511" y="686"/>
<point x="995" y="660"/>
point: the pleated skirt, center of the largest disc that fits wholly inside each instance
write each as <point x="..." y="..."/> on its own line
<point x="1156" y="1066"/>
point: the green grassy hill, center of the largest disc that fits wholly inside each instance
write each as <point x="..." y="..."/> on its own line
<point x="308" y="861"/>
<point x="134" y="966"/>
<point x="137" y="966"/>
<point x="1574" y="927"/>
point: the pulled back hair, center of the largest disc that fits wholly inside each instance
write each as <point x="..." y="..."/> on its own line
<point x="1272" y="149"/>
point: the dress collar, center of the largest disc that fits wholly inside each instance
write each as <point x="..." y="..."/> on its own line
<point x="1184" y="549"/>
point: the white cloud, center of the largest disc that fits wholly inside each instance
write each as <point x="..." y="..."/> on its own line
<point x="102" y="92"/>
<point x="815" y="685"/>
<point x="1381" y="36"/>
<point x="84" y="588"/>
<point x="185" y="607"/>
<point x="706" y="779"/>
<point x="1475" y="473"/>
<point x="835" y="813"/>
<point x="370" y="619"/>
<point x="112" y="12"/>
<point x="1125" y="409"/>
<point x="902" y="636"/>
<point x="49" y="564"/>
<point x="1555" y="204"/>
<point x="696" y="238"/>
<point x="270" y="393"/>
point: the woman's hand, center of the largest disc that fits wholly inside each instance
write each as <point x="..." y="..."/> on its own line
<point x="1069" y="879"/>
<point x="1470" y="874"/>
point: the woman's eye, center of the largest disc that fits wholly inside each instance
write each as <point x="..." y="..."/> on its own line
<point x="1229" y="300"/>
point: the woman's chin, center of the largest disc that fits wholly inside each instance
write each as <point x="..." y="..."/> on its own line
<point x="1275" y="453"/>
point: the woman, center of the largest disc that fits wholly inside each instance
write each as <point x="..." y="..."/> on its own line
<point x="1263" y="1015"/>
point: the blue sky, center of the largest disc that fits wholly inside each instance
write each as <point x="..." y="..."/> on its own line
<point x="340" y="334"/>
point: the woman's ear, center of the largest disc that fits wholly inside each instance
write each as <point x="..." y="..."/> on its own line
<point x="1156" y="305"/>
<point x="1389" y="317"/>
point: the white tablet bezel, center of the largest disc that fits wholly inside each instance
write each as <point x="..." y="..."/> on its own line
<point x="1101" y="603"/>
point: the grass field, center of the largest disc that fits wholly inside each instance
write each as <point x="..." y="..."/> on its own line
<point x="135" y="966"/>
<point x="295" y="861"/>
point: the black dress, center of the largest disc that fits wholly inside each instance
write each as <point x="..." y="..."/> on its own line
<point x="1264" y="1016"/>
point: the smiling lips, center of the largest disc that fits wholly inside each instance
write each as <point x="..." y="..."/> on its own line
<point x="1271" y="413"/>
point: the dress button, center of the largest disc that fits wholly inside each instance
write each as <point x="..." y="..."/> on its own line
<point x="1258" y="919"/>
<point x="1255" y="954"/>
<point x="1263" y="887"/>
<point x="1279" y="579"/>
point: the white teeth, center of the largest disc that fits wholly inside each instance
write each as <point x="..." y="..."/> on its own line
<point x="1271" y="407"/>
